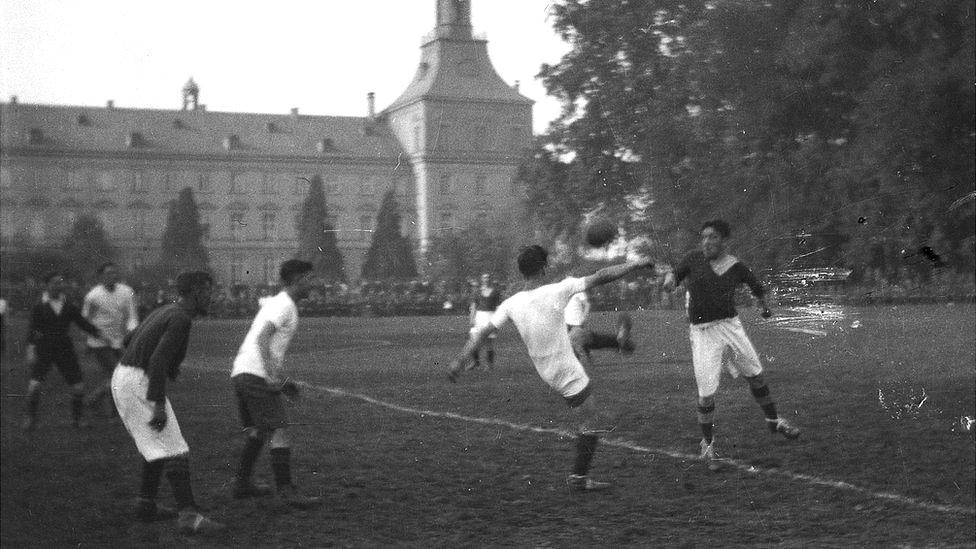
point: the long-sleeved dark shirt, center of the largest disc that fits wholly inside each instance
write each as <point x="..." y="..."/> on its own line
<point x="48" y="329"/>
<point x="158" y="346"/>
<point x="712" y="296"/>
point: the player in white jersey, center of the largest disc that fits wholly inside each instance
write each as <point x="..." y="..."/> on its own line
<point x="259" y="383"/>
<point x="538" y="313"/>
<point x="585" y="340"/>
<point x="110" y="306"/>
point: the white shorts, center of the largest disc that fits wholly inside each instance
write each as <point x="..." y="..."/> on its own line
<point x="481" y="319"/>
<point x="129" y="386"/>
<point x="708" y="344"/>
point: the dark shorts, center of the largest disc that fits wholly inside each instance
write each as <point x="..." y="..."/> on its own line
<point x="106" y="357"/>
<point x="579" y="398"/>
<point x="258" y="404"/>
<point x="61" y="357"/>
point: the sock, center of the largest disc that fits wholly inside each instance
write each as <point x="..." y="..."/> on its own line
<point x="252" y="449"/>
<point x="706" y="429"/>
<point x="706" y="415"/>
<point x="490" y="356"/>
<point x="33" y="402"/>
<point x="77" y="405"/>
<point x="178" y="474"/>
<point x="281" y="465"/>
<point x="765" y="401"/>
<point x="152" y="474"/>
<point x="585" y="448"/>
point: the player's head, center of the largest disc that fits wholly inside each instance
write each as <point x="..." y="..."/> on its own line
<point x="295" y="275"/>
<point x="532" y="261"/>
<point x="108" y="274"/>
<point x="195" y="289"/>
<point x="55" y="283"/>
<point x="713" y="235"/>
<point x="485" y="279"/>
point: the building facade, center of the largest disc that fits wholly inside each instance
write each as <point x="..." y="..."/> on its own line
<point x="448" y="146"/>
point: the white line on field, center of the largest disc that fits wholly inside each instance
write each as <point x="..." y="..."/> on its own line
<point x="629" y="445"/>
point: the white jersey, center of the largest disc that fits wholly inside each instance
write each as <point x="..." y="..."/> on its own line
<point x="577" y="309"/>
<point x="280" y="311"/>
<point x="538" y="315"/>
<point x="114" y="313"/>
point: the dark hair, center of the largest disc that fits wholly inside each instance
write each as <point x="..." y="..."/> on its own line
<point x="103" y="266"/>
<point x="50" y="275"/>
<point x="532" y="260"/>
<point x="292" y="270"/>
<point x="187" y="281"/>
<point x="720" y="226"/>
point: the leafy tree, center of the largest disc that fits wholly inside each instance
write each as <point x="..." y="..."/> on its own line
<point x="317" y="237"/>
<point x="478" y="248"/>
<point x="182" y="246"/>
<point x="390" y="254"/>
<point x="87" y="247"/>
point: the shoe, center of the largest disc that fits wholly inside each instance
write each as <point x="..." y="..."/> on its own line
<point x="30" y="423"/>
<point x="787" y="429"/>
<point x="192" y="522"/>
<point x="290" y="496"/>
<point x="583" y="483"/>
<point x="244" y="489"/>
<point x="624" y="325"/>
<point x="146" y="510"/>
<point x="707" y="455"/>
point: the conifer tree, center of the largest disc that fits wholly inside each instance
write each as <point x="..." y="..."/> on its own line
<point x="182" y="246"/>
<point x="317" y="237"/>
<point x="390" y="256"/>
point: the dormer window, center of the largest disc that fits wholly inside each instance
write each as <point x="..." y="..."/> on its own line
<point x="178" y="124"/>
<point x="135" y="140"/>
<point x="83" y="120"/>
<point x="271" y="127"/>
<point x="232" y="142"/>
<point x="325" y="145"/>
<point x="35" y="136"/>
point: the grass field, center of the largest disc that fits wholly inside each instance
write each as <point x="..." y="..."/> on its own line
<point x="882" y="460"/>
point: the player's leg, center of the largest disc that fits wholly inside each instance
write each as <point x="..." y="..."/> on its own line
<point x="579" y="339"/>
<point x="706" y="354"/>
<point x="746" y="361"/>
<point x="287" y="492"/>
<point x="106" y="358"/>
<point x="592" y="422"/>
<point x="39" y="366"/>
<point x="249" y="391"/>
<point x="67" y="363"/>
<point x="490" y="352"/>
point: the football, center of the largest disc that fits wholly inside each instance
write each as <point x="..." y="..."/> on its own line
<point x="599" y="232"/>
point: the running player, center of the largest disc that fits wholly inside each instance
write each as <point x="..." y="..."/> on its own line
<point x="585" y="340"/>
<point x="258" y="384"/>
<point x="537" y="312"/>
<point x="483" y="305"/>
<point x="49" y="343"/>
<point x="711" y="276"/>
<point x="111" y="306"/>
<point x="153" y="353"/>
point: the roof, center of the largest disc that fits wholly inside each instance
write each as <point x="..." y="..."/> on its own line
<point x="193" y="133"/>
<point x="452" y="68"/>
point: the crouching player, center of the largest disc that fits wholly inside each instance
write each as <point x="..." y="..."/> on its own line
<point x="537" y="312"/>
<point x="258" y="385"/>
<point x="153" y="353"/>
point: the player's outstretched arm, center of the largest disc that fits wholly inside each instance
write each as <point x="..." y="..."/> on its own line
<point x="613" y="272"/>
<point x="467" y="352"/>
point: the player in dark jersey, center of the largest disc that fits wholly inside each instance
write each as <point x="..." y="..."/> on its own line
<point x="153" y="353"/>
<point x="711" y="275"/>
<point x="483" y="304"/>
<point x="49" y="343"/>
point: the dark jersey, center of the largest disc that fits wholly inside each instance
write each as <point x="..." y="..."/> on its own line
<point x="712" y="296"/>
<point x="488" y="302"/>
<point x="48" y="328"/>
<point x="158" y="346"/>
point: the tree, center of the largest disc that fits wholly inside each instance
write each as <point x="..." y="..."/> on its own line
<point x="87" y="247"/>
<point x="182" y="246"/>
<point x="390" y="254"/>
<point x="317" y="237"/>
<point x="478" y="248"/>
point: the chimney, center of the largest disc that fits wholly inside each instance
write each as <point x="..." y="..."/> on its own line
<point x="110" y="104"/>
<point x="371" y="105"/>
<point x="294" y="111"/>
<point x="517" y="85"/>
<point x="13" y="99"/>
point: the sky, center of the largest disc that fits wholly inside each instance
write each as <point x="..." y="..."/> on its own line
<point x="322" y="56"/>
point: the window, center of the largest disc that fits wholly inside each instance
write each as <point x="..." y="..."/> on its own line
<point x="139" y="218"/>
<point x="480" y="184"/>
<point x="237" y="226"/>
<point x="416" y="138"/>
<point x="206" y="221"/>
<point x="166" y="182"/>
<point x="269" y="184"/>
<point x="365" y="185"/>
<point x="365" y="227"/>
<point x="268" y="226"/>
<point x="445" y="184"/>
<point x="447" y="222"/>
<point x="270" y="270"/>
<point x="138" y="262"/>
<point x="301" y="186"/>
<point x="106" y="181"/>
<point x="332" y="185"/>
<point x="203" y="183"/>
<point x="6" y="178"/>
<point x="138" y="183"/>
<point x="236" y="269"/>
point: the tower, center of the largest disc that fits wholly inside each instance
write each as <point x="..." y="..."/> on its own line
<point x="191" y="95"/>
<point x="464" y="128"/>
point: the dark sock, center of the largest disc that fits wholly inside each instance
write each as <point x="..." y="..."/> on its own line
<point x="77" y="405"/>
<point x="765" y="400"/>
<point x="706" y="429"/>
<point x="178" y="474"/>
<point x="705" y="415"/>
<point x="281" y="465"/>
<point x="252" y="449"/>
<point x="152" y="474"/>
<point x="33" y="402"/>
<point x="490" y="356"/>
<point x="585" y="448"/>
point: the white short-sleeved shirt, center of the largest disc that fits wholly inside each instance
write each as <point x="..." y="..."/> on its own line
<point x="114" y="313"/>
<point x="281" y="311"/>
<point x="538" y="315"/>
<point x="577" y="309"/>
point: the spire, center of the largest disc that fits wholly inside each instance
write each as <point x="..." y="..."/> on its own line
<point x="191" y="95"/>
<point x="453" y="19"/>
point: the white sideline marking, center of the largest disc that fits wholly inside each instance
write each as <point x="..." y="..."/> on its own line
<point x="629" y="445"/>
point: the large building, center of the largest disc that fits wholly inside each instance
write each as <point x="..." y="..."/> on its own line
<point x="449" y="146"/>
